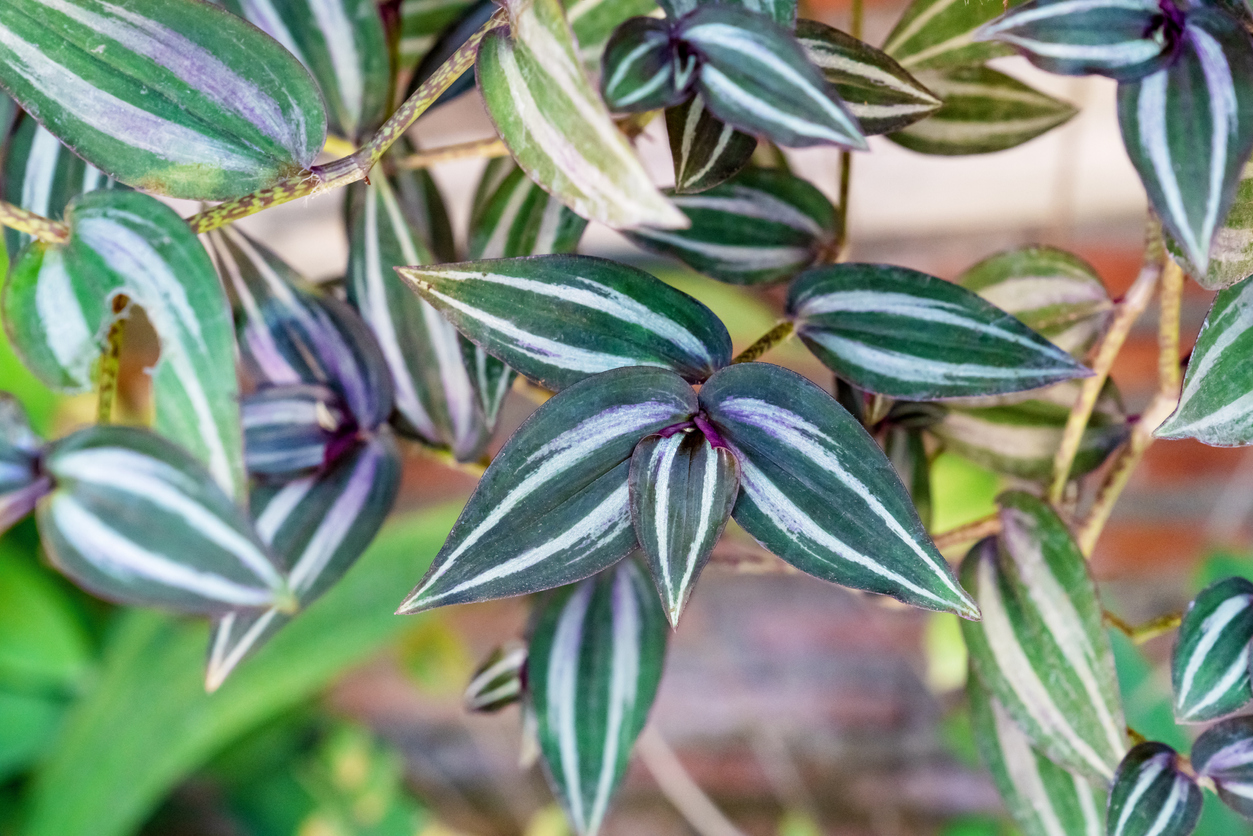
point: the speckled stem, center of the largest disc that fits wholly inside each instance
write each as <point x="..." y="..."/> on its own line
<point x="45" y="229"/>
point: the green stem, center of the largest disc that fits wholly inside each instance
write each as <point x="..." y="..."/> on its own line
<point x="767" y="341"/>
<point x="1139" y="634"/>
<point x="110" y="360"/>
<point x="37" y="226"/>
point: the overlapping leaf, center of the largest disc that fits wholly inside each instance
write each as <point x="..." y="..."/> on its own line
<point x="595" y="662"/>
<point x="593" y="22"/>
<point x="182" y="99"/>
<point x="1152" y="796"/>
<point x="21" y="482"/>
<point x="644" y="69"/>
<point x="293" y="429"/>
<point x="553" y="506"/>
<point x="1231" y="252"/>
<point x="940" y="34"/>
<point x="706" y="151"/>
<point x="782" y="12"/>
<point x="498" y="680"/>
<point x="559" y="318"/>
<point x="817" y="491"/>
<point x="1210" y="667"/>
<point x="1224" y="754"/>
<point x="906" y="449"/>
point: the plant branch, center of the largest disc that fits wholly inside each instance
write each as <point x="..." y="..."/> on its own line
<point x="45" y="229"/>
<point x="678" y="787"/>
<point x="480" y="148"/>
<point x="775" y="336"/>
<point x="968" y="533"/>
<point x="110" y="360"/>
<point x="1149" y="630"/>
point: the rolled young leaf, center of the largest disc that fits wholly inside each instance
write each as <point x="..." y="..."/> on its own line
<point x="817" y="491"/>
<point x="181" y="99"/>
<point x="1209" y="669"/>
<point x="706" y="151"/>
<point x="905" y="334"/>
<point x="498" y="680"/>
<point x="593" y="668"/>
<point x="22" y="483"/>
<point x="1152" y="796"/>
<point x="294" y="429"/>
<point x="682" y="491"/>
<point x="559" y="318"/>
<point x="1224" y="754"/>
<point x="940" y="34"/>
<point x="553" y="506"/>
<point x="644" y="69"/>
<point x="1041" y="648"/>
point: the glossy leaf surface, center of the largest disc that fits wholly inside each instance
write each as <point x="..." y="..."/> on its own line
<point x="1152" y="796"/>
<point x="782" y="12"/>
<point x="514" y="217"/>
<point x="706" y="151"/>
<point x="1224" y="754"/>
<point x="1210" y="666"/>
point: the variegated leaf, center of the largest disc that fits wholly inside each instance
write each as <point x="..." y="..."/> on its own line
<point x="137" y="520"/>
<point x="1041" y="648"/>
<point x="342" y="43"/>
<point x="983" y="111"/>
<point x="682" y="491"/>
<point x="316" y="528"/>
<point x="58" y="305"/>
<point x="1188" y="130"/>
<point x="1042" y="798"/>
<point x="424" y="208"/>
<point x="593" y="668"/>
<point x="1152" y="796"/>
<point x="1210" y="666"/>
<point x="940" y="34"/>
<point x="764" y="225"/>
<point x="553" y="506"/>
<point x="421" y="24"/>
<point x="294" y="429"/>
<point x="497" y="682"/>
<point x="706" y="151"/>
<point x="906" y="449"/>
<point x="594" y="21"/>
<point x="755" y="75"/>
<point x="643" y="68"/>
<point x="817" y="491"/>
<point x="22" y="483"/>
<point x="1224" y="755"/>
<point x="556" y="126"/>
<point x="1231" y="252"/>
<point x="879" y="92"/>
<point x="182" y="99"/>
<point x="559" y="318"/>
<point x="905" y="334"/>
<point x="450" y="39"/>
<point x="782" y="12"/>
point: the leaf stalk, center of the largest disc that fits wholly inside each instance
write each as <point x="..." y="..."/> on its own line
<point x="37" y="226"/>
<point x="775" y="336"/>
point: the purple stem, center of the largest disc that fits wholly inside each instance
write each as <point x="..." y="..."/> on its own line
<point x="712" y="435"/>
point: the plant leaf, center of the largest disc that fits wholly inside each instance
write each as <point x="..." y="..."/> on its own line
<point x="21" y="482"/>
<point x="58" y="308"/>
<point x="907" y="451"/>
<point x="905" y="334"/>
<point x="1231" y="252"/>
<point x="556" y="126"/>
<point x="644" y="69"/>
<point x="137" y="520"/>
<point x="424" y="207"/>
<point x="782" y="12"/>
<point x="983" y="111"/>
<point x="560" y="318"/>
<point x="940" y="34"/>
<point x="682" y="491"/>
<point x="594" y="21"/>
<point x="762" y="226"/>
<point x="1209" y="669"/>
<point x="293" y="429"/>
<point x="552" y="508"/>
<point x="817" y="491"/>
<point x="1224" y="754"/>
<point x="497" y="682"/>
<point x="450" y="39"/>
<point x="1151" y="796"/>
<point x="879" y="92"/>
<point x="182" y="99"/>
<point x="1041" y="648"/>
<point x="593" y="668"/>
<point x="1188" y="130"/>
<point x="706" y="151"/>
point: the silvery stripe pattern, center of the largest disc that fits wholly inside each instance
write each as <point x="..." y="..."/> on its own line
<point x="1210" y="668"/>
<point x="1224" y="754"/>
<point x="498" y="680"/>
<point x="1151" y="796"/>
<point x="706" y="151"/>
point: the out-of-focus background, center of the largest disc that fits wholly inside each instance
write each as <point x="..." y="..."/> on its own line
<point x="789" y="706"/>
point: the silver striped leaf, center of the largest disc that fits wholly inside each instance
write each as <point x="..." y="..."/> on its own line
<point x="1231" y="252"/>
<point x="294" y="429"/>
<point x="1042" y="798"/>
<point x="553" y="506"/>
<point x="755" y="76"/>
<point x="594" y="664"/>
<point x="1041" y="648"/>
<point x="497" y="682"/>
<point x="558" y="319"/>
<point x="940" y="34"/>
<point x="643" y="69"/>
<point x="21" y="482"/>
<point x="706" y="151"/>
<point x="816" y="490"/>
<point x="984" y="111"/>
<point x="435" y="396"/>
<point x="879" y="92"/>
<point x="1152" y="795"/>
<point x="764" y="225"/>
<point x="137" y="520"/>
<point x="1209" y="669"/>
<point x="1205" y="98"/>
<point x="1224" y="755"/>
<point x="181" y="99"/>
<point x="344" y="47"/>
<point x="58" y="305"/>
<point x="782" y="12"/>
<point x="593" y="22"/>
<point x="905" y="334"/>
<point x="906" y="449"/>
<point x="316" y="527"/>
<point x="450" y="39"/>
<point x="421" y="24"/>
<point x="555" y="125"/>
<point x="682" y="491"/>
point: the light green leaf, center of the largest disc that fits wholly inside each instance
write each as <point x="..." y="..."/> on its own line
<point x="706" y="151"/>
<point x="421" y="22"/>
<point x="1209" y="669"/>
<point x="1152" y="796"/>
<point x="939" y="34"/>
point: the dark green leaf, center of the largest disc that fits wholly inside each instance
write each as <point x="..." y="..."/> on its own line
<point x="706" y="151"/>
<point x="497" y="682"/>
<point x="593" y="22"/>
<point x="293" y="429"/>
<point x="1224" y="754"/>
<point x="450" y="39"/>
<point x="643" y="68"/>
<point x="906" y="449"/>
<point x="422" y="22"/>
<point x="1231" y="253"/>
<point x="782" y="12"/>
<point x="1210" y="667"/>
<point x="1152" y="796"/>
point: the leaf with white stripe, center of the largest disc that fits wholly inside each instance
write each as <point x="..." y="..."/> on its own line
<point x="293" y="429"/>
<point x="682" y="491"/>
<point x="556" y="126"/>
<point x="450" y="39"/>
<point x="22" y="483"/>
<point x="906" y="449"/>
<point x="1231" y="252"/>
<point x="1041" y="648"/>
<point x="782" y="12"/>
<point x="559" y="318"/>
<point x="497" y="682"/>
<point x="553" y="506"/>
<point x="940" y="34"/>
<point x="1188" y="130"/>
<point x="58" y="307"/>
<point x="756" y="76"/>
<point x="1042" y="798"/>
<point x="137" y="520"/>
<point x="984" y="111"/>
<point x="764" y="225"/>
<point x="316" y="528"/>
<point x="905" y="334"/>
<point x="592" y="672"/>
<point x="643" y="68"/>
<point x="1152" y="795"/>
<point x="816" y="490"/>
<point x="421" y="24"/>
<point x="594" y="21"/>
<point x="1209" y="669"/>
<point x="706" y="151"/>
<point x="182" y="99"/>
<point x="1224" y="755"/>
<point x="878" y="91"/>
